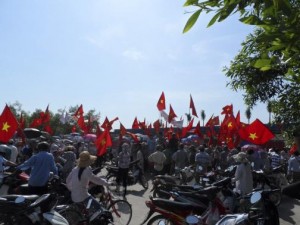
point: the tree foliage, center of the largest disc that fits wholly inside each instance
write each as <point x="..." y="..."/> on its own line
<point x="267" y="67"/>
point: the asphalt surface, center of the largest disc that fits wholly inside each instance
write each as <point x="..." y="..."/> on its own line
<point x="289" y="209"/>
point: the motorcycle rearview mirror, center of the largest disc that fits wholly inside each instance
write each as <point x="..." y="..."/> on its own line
<point x="255" y="197"/>
<point x="19" y="199"/>
<point x="162" y="223"/>
<point x="191" y="219"/>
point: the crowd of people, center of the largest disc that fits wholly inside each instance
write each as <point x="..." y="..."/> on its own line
<point x="72" y="161"/>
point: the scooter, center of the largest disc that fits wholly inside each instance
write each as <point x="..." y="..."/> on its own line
<point x="30" y="210"/>
<point x="262" y="212"/>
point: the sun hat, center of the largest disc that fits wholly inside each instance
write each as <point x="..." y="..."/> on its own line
<point x="241" y="157"/>
<point x="85" y="159"/>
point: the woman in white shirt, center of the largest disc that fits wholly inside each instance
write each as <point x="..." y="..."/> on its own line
<point x="78" y="182"/>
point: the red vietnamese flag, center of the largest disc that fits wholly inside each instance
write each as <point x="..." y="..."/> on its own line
<point x="228" y="109"/>
<point x="192" y="106"/>
<point x="45" y="116"/>
<point x="79" y="111"/>
<point x="8" y="125"/>
<point x="48" y="129"/>
<point x="103" y="142"/>
<point x="82" y="124"/>
<point x="156" y="126"/>
<point x="185" y="130"/>
<point x="256" y="133"/>
<point x="134" y="137"/>
<point x="172" y="114"/>
<point x="213" y="121"/>
<point x="135" y="124"/>
<point x="105" y="123"/>
<point x="161" y="104"/>
<point x="122" y="130"/>
<point x="36" y="122"/>
<point x="198" y="129"/>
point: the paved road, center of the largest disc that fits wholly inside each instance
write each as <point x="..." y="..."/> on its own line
<point x="289" y="209"/>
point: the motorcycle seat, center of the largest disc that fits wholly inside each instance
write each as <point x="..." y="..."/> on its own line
<point x="27" y="197"/>
<point x="222" y="182"/>
<point x="175" y="206"/>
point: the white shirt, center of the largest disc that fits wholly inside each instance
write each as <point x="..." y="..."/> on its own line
<point x="14" y="153"/>
<point x="79" y="188"/>
<point x="158" y="158"/>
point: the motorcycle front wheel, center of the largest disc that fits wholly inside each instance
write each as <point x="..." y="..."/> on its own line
<point x="276" y="198"/>
<point x="159" y="220"/>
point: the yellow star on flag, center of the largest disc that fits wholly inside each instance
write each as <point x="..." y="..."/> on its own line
<point x="230" y="124"/>
<point x="253" y="136"/>
<point x="103" y="142"/>
<point x="6" y="126"/>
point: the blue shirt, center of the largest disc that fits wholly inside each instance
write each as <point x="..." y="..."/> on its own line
<point x="294" y="164"/>
<point x="41" y="165"/>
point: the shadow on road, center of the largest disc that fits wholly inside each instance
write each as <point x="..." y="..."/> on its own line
<point x="286" y="209"/>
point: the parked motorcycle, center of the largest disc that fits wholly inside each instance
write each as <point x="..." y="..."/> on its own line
<point x="262" y="212"/>
<point x="29" y="210"/>
<point x="175" y="212"/>
<point x="10" y="180"/>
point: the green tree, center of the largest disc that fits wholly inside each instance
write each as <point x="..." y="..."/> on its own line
<point x="248" y="114"/>
<point x="279" y="20"/>
<point x="269" y="109"/>
<point x="203" y="116"/>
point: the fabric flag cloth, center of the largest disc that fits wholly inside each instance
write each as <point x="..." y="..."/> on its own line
<point x="122" y="132"/>
<point x="185" y="130"/>
<point x="198" y="129"/>
<point x="192" y="106"/>
<point x="8" y="125"/>
<point x="213" y="121"/>
<point x="79" y="111"/>
<point x="156" y="126"/>
<point x="103" y="142"/>
<point x="161" y="104"/>
<point x="228" y="109"/>
<point x="172" y="115"/>
<point x="133" y="136"/>
<point x="135" y="124"/>
<point x="256" y="133"/>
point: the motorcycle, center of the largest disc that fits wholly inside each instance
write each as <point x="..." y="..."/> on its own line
<point x="135" y="175"/>
<point x="174" y="212"/>
<point x="9" y="181"/>
<point x="29" y="210"/>
<point x="264" y="181"/>
<point x="262" y="212"/>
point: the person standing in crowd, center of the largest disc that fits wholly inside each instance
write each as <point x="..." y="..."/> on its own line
<point x="294" y="167"/>
<point x="224" y="156"/>
<point x="158" y="159"/>
<point x="243" y="175"/>
<point x="275" y="157"/>
<point x="14" y="151"/>
<point x="168" y="163"/>
<point x="123" y="168"/>
<point x="79" y="179"/>
<point x="173" y="143"/>
<point x="180" y="158"/>
<point x="202" y="161"/>
<point x="40" y="164"/>
<point x="192" y="154"/>
<point x="70" y="160"/>
<point x="3" y="160"/>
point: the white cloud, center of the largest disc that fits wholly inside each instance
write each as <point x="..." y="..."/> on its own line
<point x="133" y="54"/>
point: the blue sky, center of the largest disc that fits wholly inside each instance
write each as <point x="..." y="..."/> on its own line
<point x="116" y="57"/>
